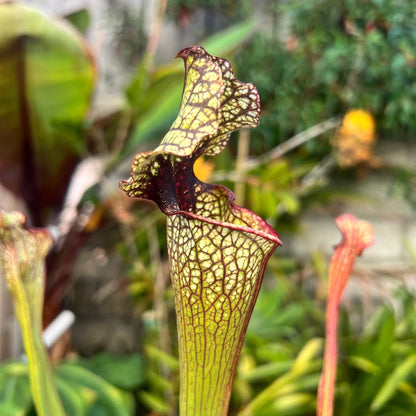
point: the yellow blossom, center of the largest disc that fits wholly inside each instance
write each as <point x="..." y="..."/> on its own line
<point x="355" y="139"/>
<point x="203" y="169"/>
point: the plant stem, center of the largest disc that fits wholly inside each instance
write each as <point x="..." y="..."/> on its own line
<point x="327" y="384"/>
<point x="42" y="383"/>
<point x="280" y="150"/>
<point x="242" y="153"/>
<point x="22" y="254"/>
<point x="154" y="34"/>
<point x="293" y="142"/>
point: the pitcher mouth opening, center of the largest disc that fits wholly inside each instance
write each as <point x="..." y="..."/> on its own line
<point x="173" y="186"/>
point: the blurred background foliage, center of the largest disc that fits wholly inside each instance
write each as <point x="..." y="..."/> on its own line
<point x="47" y="79"/>
<point x="312" y="63"/>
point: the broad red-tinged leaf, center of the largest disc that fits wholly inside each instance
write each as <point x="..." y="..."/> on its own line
<point x="46" y="80"/>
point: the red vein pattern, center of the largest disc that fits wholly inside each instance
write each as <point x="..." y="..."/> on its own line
<point x="218" y="251"/>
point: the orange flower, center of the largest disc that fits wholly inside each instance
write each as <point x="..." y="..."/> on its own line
<point x="203" y="169"/>
<point x="357" y="235"/>
<point x="355" y="139"/>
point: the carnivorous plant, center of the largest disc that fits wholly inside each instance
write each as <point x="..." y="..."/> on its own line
<point x="22" y="254"/>
<point x="217" y="250"/>
<point x="357" y="236"/>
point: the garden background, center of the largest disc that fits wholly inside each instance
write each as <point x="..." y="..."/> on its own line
<point x="337" y="134"/>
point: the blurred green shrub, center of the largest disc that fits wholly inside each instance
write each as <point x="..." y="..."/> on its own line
<point x="83" y="392"/>
<point x="221" y="12"/>
<point x="376" y="365"/>
<point x="325" y="57"/>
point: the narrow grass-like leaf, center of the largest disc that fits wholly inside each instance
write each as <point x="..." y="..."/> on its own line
<point x="76" y="399"/>
<point x="297" y="403"/>
<point x="306" y="355"/>
<point x="104" y="396"/>
<point x="267" y="371"/>
<point x="363" y="364"/>
<point x="304" y="364"/>
<point x="399" y="374"/>
<point x="156" y="403"/>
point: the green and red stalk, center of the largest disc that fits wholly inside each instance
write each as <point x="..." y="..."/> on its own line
<point x="218" y="251"/>
<point x="357" y="235"/>
<point x="22" y="256"/>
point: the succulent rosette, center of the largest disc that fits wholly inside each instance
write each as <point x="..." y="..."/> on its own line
<point x="217" y="250"/>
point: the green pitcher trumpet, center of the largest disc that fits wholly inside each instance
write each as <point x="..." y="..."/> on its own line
<point x="218" y="251"/>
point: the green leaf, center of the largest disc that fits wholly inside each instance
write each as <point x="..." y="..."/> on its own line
<point x="382" y="330"/>
<point x="15" y="395"/>
<point x="156" y="403"/>
<point x="292" y="404"/>
<point x="81" y="19"/>
<point x="230" y="39"/>
<point x="124" y="372"/>
<point x="82" y="392"/>
<point x="363" y="364"/>
<point x="105" y="398"/>
<point x="76" y="399"/>
<point x="156" y="117"/>
<point x="392" y="382"/>
<point x="307" y="354"/>
<point x="156" y="354"/>
<point x="268" y="371"/>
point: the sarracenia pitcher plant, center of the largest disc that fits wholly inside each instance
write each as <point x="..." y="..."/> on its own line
<point x="22" y="256"/>
<point x="357" y="235"/>
<point x="218" y="251"/>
